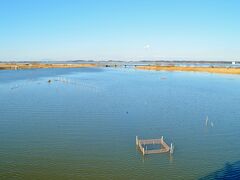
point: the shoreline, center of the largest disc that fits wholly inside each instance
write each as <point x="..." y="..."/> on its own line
<point x="15" y="66"/>
<point x="217" y="70"/>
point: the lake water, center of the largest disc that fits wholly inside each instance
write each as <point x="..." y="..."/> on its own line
<point x="82" y="125"/>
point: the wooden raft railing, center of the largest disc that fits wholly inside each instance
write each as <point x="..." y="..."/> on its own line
<point x="165" y="148"/>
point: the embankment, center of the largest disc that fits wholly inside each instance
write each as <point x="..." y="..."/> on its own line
<point x="41" y="65"/>
<point x="220" y="70"/>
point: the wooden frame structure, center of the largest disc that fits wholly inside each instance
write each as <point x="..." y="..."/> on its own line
<point x="164" y="148"/>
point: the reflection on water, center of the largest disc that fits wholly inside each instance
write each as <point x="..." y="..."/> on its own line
<point x="82" y="124"/>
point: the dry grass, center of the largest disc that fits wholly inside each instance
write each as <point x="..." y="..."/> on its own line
<point x="220" y="70"/>
<point x="40" y="65"/>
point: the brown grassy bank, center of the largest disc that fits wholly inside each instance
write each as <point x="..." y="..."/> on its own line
<point x="220" y="70"/>
<point x="41" y="65"/>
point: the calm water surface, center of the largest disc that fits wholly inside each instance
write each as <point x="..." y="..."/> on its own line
<point x="83" y="124"/>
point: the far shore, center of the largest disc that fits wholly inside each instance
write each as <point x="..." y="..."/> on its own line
<point x="16" y="66"/>
<point x="220" y="70"/>
<point x="210" y="69"/>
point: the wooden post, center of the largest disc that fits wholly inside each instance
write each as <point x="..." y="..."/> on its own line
<point x="212" y="124"/>
<point x="171" y="148"/>
<point x="143" y="151"/>
<point x="206" y="123"/>
<point x="136" y="141"/>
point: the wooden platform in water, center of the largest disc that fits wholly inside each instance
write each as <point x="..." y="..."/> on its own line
<point x="141" y="143"/>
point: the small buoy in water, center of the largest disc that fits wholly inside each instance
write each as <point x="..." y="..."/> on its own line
<point x="49" y="81"/>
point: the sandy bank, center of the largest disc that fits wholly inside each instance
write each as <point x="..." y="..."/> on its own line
<point x="41" y="65"/>
<point x="221" y="70"/>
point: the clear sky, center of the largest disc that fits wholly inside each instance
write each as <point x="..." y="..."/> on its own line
<point x="119" y="29"/>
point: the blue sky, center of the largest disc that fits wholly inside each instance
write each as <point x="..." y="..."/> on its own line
<point x="119" y="29"/>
